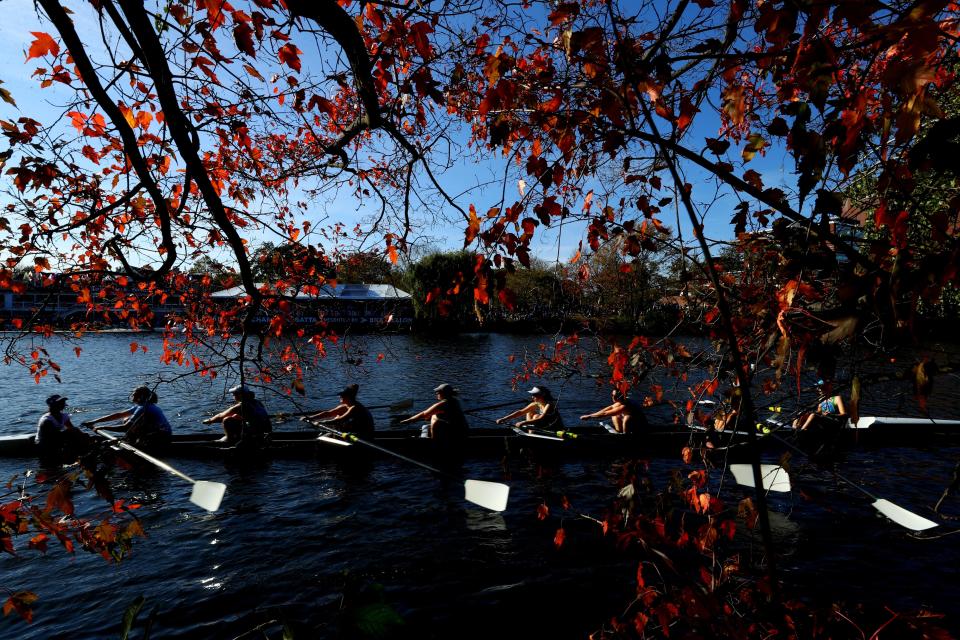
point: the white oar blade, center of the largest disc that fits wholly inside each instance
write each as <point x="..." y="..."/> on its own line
<point x="903" y="517"/>
<point x="208" y="494"/>
<point x="338" y="441"/>
<point x="489" y="495"/>
<point x="775" y="478"/>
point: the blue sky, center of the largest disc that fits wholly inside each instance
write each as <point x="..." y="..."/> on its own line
<point x="473" y="181"/>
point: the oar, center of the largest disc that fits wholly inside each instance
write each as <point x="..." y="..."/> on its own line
<point x="205" y="494"/>
<point x="493" y="406"/>
<point x="536" y="433"/>
<point x="775" y="478"/>
<point x="394" y="408"/>
<point x="894" y="512"/>
<point x="489" y="495"/>
<point x="529" y="433"/>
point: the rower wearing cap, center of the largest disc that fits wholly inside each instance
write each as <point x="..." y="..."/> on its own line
<point x="626" y="416"/>
<point x="350" y="415"/>
<point x="447" y="421"/>
<point x="247" y="419"/>
<point x="144" y="422"/>
<point x="541" y="413"/>
<point x="54" y="428"/>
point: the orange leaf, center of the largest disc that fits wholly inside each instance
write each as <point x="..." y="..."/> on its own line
<point x="133" y="347"/>
<point x="704" y="502"/>
<point x="289" y="55"/>
<point x="542" y="511"/>
<point x="473" y="227"/>
<point x="508" y="299"/>
<point x="77" y="119"/>
<point x="38" y="542"/>
<point x="215" y="13"/>
<point x="252" y="71"/>
<point x="128" y="115"/>
<point x="59" y="498"/>
<point x="144" y="118"/>
<point x="20" y="602"/>
<point x="243" y="36"/>
<point x="418" y="33"/>
<point x="559" y="539"/>
<point x="42" y="45"/>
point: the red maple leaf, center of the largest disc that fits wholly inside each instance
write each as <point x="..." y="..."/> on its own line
<point x="42" y="45"/>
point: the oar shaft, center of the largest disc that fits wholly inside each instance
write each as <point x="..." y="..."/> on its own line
<point x="396" y="406"/>
<point x="842" y="477"/>
<point x="204" y="494"/>
<point x="146" y="456"/>
<point x="354" y="438"/>
<point x="403" y="404"/>
<point x="494" y="406"/>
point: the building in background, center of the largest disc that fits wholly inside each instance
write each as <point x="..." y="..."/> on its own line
<point x="43" y="300"/>
<point x="345" y="305"/>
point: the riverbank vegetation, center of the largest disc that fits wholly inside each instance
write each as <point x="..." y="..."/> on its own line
<point x="781" y="175"/>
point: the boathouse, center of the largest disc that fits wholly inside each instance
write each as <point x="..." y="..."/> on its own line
<point x="355" y="305"/>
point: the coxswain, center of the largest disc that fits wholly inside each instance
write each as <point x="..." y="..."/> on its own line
<point x="541" y="413"/>
<point x="349" y="415"/>
<point x="245" y="420"/>
<point x="54" y="430"/>
<point x="448" y="423"/>
<point x="626" y="416"/>
<point x="144" y="423"/>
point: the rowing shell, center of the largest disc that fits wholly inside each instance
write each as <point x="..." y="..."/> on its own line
<point x="482" y="442"/>
<point x="662" y="439"/>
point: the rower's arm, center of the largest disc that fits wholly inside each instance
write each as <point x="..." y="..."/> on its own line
<point x="223" y="414"/>
<point x="426" y="413"/>
<point x="120" y="415"/>
<point x="841" y="408"/>
<point x="342" y="416"/>
<point x="414" y="417"/>
<point x="337" y="412"/>
<point x="518" y="412"/>
<point x="540" y="417"/>
<point x="610" y="410"/>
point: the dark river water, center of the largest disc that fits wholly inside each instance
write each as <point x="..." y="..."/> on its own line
<point x="391" y="546"/>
